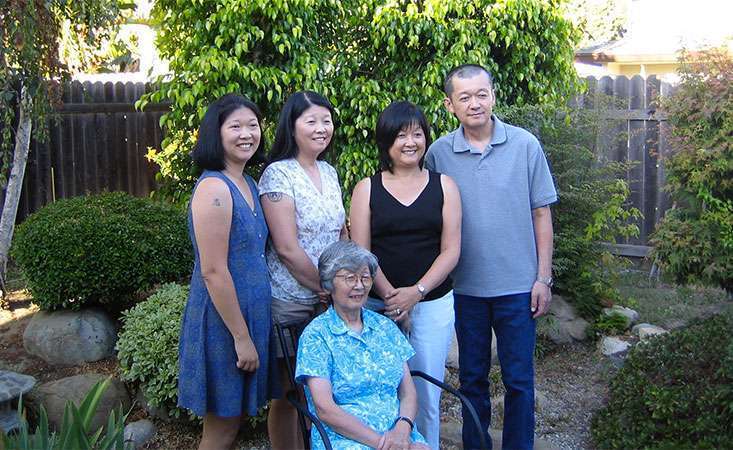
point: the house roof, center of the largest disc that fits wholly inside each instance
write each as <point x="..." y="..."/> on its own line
<point x="659" y="29"/>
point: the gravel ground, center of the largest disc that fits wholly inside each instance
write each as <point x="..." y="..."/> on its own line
<point x="571" y="384"/>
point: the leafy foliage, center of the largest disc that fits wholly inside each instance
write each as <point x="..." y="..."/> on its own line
<point x="673" y="392"/>
<point x="592" y="204"/>
<point x="147" y="347"/>
<point x="694" y="242"/>
<point x="101" y="249"/>
<point x="29" y="56"/>
<point x="361" y="54"/>
<point x="75" y="432"/>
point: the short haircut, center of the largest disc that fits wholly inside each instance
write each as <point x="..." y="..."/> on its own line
<point x="344" y="255"/>
<point x="284" y="146"/>
<point x="464" y="71"/>
<point x="208" y="153"/>
<point x="395" y="118"/>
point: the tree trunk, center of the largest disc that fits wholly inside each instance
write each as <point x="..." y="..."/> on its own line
<point x="15" y="180"/>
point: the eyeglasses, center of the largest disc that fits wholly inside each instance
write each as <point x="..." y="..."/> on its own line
<point x="350" y="279"/>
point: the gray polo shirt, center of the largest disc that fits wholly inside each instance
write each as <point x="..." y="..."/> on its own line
<point x="499" y="188"/>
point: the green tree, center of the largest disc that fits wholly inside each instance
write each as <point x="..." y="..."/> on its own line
<point x="694" y="241"/>
<point x="360" y="54"/>
<point x="30" y="78"/>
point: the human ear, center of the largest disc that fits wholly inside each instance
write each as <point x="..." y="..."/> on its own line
<point x="448" y="105"/>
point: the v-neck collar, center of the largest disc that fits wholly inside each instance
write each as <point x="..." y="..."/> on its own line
<point x="422" y="191"/>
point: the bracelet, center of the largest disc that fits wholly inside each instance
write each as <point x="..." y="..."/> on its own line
<point x="406" y="419"/>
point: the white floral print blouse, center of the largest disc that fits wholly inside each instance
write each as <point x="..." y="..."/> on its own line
<point x="319" y="218"/>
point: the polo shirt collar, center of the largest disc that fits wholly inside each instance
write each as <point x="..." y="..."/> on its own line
<point x="337" y="326"/>
<point x="460" y="144"/>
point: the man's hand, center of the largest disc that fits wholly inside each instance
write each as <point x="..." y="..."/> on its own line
<point x="541" y="297"/>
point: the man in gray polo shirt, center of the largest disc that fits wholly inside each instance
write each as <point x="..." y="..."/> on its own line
<point x="503" y="278"/>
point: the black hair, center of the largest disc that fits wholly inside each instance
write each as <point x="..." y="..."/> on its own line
<point x="208" y="153"/>
<point x="395" y="118"/>
<point x="284" y="146"/>
<point x="464" y="71"/>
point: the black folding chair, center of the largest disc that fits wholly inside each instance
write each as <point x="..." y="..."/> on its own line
<point x="290" y="334"/>
<point x="296" y="397"/>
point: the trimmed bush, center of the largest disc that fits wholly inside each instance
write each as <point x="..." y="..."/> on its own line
<point x="101" y="249"/>
<point x="148" y="346"/>
<point x="675" y="391"/>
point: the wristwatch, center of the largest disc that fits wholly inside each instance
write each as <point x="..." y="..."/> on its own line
<point x="405" y="419"/>
<point x="547" y="281"/>
<point x="421" y="290"/>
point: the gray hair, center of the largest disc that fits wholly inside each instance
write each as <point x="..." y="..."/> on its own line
<point x="464" y="71"/>
<point x="344" y="255"/>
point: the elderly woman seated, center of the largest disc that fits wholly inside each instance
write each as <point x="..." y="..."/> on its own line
<point x="353" y="362"/>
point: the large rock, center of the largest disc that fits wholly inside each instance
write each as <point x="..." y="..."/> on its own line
<point x="563" y="324"/>
<point x="140" y="432"/>
<point x="70" y="337"/>
<point x="646" y="331"/>
<point x="452" y="360"/>
<point x="629" y="314"/>
<point x="450" y="437"/>
<point x="54" y="395"/>
<point x="612" y="345"/>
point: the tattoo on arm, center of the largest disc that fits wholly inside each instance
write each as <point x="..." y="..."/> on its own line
<point x="217" y="202"/>
<point x="274" y="196"/>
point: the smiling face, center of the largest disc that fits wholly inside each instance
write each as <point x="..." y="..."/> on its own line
<point x="313" y="130"/>
<point x="240" y="136"/>
<point x="350" y="289"/>
<point x="408" y="147"/>
<point x="472" y="100"/>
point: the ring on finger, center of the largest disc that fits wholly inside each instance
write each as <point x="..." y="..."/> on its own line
<point x="398" y="311"/>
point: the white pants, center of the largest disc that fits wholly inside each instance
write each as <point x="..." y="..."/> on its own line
<point x="431" y="331"/>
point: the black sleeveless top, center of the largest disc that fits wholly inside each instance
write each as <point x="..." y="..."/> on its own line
<point x="406" y="239"/>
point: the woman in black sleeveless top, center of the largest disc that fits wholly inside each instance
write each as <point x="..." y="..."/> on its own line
<point x="410" y="219"/>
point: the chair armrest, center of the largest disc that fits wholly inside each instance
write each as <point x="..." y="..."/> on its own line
<point x="466" y="404"/>
<point x="292" y="397"/>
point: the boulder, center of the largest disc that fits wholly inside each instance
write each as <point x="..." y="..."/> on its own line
<point x="631" y="316"/>
<point x="54" y="395"/>
<point x="452" y="360"/>
<point x="611" y="345"/>
<point x="70" y="337"/>
<point x="564" y="324"/>
<point x="140" y="432"/>
<point x="646" y="331"/>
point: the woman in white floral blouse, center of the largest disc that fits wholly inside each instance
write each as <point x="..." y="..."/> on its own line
<point x="301" y="199"/>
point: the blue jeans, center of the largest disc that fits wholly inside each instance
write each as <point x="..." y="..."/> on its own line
<point x="512" y="321"/>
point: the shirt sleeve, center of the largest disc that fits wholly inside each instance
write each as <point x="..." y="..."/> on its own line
<point x="276" y="179"/>
<point x="314" y="357"/>
<point x="541" y="186"/>
<point x="430" y="159"/>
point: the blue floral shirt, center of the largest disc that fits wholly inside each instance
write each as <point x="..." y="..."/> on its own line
<point x="365" y="370"/>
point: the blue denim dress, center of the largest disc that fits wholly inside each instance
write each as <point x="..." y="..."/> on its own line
<point x="209" y="380"/>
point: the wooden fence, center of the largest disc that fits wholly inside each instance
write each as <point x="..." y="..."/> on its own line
<point x="100" y="141"/>
<point x="97" y="143"/>
<point x="635" y="131"/>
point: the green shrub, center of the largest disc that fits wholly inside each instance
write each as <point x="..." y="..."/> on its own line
<point x="675" y="391"/>
<point x="74" y="432"/>
<point x="101" y="249"/>
<point x="361" y="54"/>
<point x="592" y="205"/>
<point x="147" y="347"/>
<point x="694" y="242"/>
<point x="611" y="324"/>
